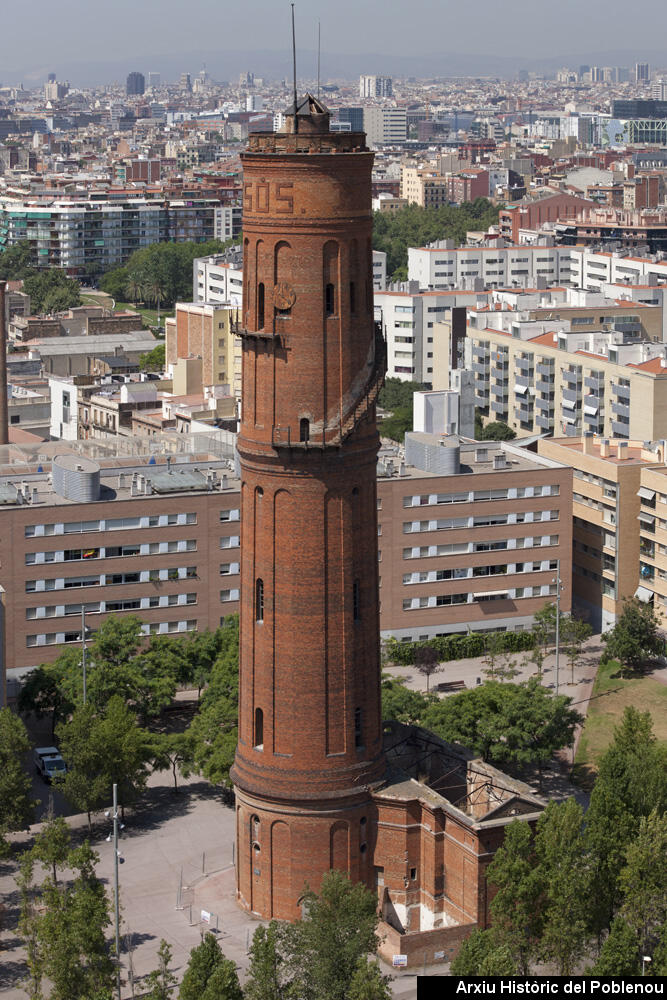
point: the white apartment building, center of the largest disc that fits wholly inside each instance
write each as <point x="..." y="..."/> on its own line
<point x="446" y="267"/>
<point x="379" y="270"/>
<point x="215" y="280"/>
<point x="409" y="320"/>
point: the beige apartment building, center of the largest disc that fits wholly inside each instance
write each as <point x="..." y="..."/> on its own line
<point x="536" y="386"/>
<point x="207" y="331"/>
<point x="471" y="536"/>
<point x="619" y="544"/>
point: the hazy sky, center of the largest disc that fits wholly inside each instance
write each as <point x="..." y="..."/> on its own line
<point x="59" y="32"/>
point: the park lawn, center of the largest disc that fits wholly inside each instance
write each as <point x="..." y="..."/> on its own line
<point x="149" y="316"/>
<point x="98" y="299"/>
<point x="610" y="697"/>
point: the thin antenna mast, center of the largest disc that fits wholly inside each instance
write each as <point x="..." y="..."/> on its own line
<point x="318" y="57"/>
<point x="296" y="116"/>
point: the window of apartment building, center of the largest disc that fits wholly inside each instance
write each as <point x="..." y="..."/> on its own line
<point x="230" y="515"/>
<point x="230" y="542"/>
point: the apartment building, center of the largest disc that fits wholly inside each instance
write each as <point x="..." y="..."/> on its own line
<point x="73" y="233"/>
<point x="218" y="280"/>
<point x="444" y="266"/>
<point x="471" y="536"/>
<point x="562" y="383"/>
<point x="123" y="534"/>
<point x="206" y="330"/>
<point x="375" y="86"/>
<point x="618" y="538"/>
<point x="385" y="126"/>
<point x="412" y="322"/>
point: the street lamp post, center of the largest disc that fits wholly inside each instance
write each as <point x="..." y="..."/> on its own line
<point x="116" y="855"/>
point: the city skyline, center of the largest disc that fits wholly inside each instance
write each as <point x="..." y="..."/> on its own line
<point x="482" y="40"/>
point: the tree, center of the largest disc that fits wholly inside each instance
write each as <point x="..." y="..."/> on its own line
<point x="17" y="807"/>
<point x="209" y="975"/>
<point x="497" y="430"/>
<point x="619" y="955"/>
<point x="64" y="929"/>
<point x="564" y="872"/>
<point x="575" y="632"/>
<point x="103" y="750"/>
<point x="643" y="881"/>
<point x="338" y="928"/>
<point x="114" y="283"/>
<point x="52" y="844"/>
<point x="480" y="955"/>
<point x="214" y="731"/>
<point x="265" y="972"/>
<point x="402" y="704"/>
<point x="631" y="782"/>
<point x="510" y="723"/>
<point x="515" y="907"/>
<point x="16" y="262"/>
<point x="494" y="646"/>
<point x="175" y="751"/>
<point x="368" y="982"/>
<point x="396" y="394"/>
<point x="154" y="360"/>
<point x="159" y="982"/>
<point x="397" y="425"/>
<point x="51" y="290"/>
<point x="427" y="662"/>
<point x="53" y="688"/>
<point x="635" y="635"/>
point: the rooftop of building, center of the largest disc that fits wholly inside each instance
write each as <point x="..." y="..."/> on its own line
<point x="616" y="451"/>
<point x="435" y="455"/>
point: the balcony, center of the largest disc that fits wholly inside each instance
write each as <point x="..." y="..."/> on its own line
<point x="572" y="396"/>
<point x="547" y="370"/>
<point x="482" y="401"/>
<point x="572" y="378"/>
<point x="620" y="430"/>
<point x="622" y="392"/>
<point x="499" y="407"/>
<point x="546" y="423"/>
<point x="573" y="430"/>
<point x="482" y="368"/>
<point x="523" y="380"/>
<point x="499" y="371"/>
<point x="620" y="408"/>
<point x="596" y="384"/>
<point x="547" y="387"/>
<point x="524" y="364"/>
<point x="524" y="414"/>
<point x="481" y="353"/>
<point x="545" y="404"/>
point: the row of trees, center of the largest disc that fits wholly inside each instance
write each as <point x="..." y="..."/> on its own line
<point x="590" y="886"/>
<point x="416" y="227"/>
<point x="160" y="274"/>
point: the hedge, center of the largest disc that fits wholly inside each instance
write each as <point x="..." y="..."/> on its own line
<point x="458" y="647"/>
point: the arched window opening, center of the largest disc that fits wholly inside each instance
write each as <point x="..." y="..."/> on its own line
<point x="329" y="300"/>
<point x="259" y="600"/>
<point x="259" y="730"/>
<point x="356" y="606"/>
<point x="260" y="306"/>
<point x="304" y="429"/>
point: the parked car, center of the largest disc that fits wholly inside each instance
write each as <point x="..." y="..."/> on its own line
<point x="49" y="763"/>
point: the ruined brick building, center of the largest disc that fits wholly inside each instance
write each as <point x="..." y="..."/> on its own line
<point x="320" y="782"/>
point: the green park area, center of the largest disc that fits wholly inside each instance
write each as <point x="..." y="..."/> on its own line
<point x="612" y="694"/>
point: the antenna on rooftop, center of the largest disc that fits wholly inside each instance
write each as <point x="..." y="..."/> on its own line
<point x="318" y="57"/>
<point x="296" y="116"/>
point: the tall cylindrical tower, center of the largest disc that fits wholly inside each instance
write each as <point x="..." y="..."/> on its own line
<point x="310" y="735"/>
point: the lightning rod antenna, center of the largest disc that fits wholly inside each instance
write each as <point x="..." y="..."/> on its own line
<point x="318" y="57"/>
<point x="296" y="116"/>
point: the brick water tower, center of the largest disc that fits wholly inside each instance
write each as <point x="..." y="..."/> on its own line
<point x="310" y="736"/>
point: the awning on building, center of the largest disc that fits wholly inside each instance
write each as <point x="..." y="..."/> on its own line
<point x="645" y="494"/>
<point x="521" y="389"/>
<point x="647" y="519"/>
<point x="644" y="594"/>
<point x="491" y="593"/>
<point x="591" y="410"/>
